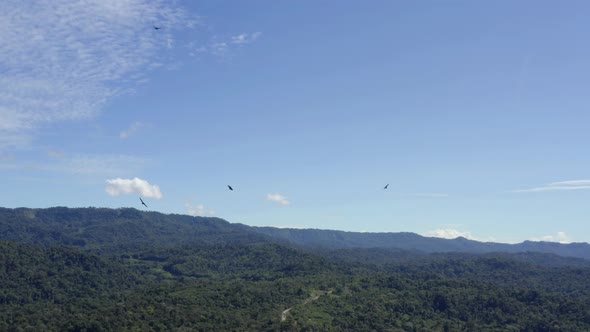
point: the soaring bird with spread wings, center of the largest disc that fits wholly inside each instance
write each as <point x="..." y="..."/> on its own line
<point x="230" y="188"/>
<point x="142" y="202"/>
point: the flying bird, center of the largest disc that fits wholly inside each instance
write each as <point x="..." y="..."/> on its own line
<point x="157" y="28"/>
<point x="387" y="185"/>
<point x="142" y="202"/>
<point x="230" y="188"/>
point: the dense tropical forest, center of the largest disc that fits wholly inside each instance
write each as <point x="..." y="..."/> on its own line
<point x="125" y="270"/>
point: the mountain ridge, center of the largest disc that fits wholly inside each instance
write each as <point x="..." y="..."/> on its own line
<point x="105" y="228"/>
<point x="330" y="239"/>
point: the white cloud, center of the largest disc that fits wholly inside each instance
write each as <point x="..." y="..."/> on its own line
<point x="282" y="200"/>
<point x="198" y="210"/>
<point x="132" y="130"/>
<point x="64" y="60"/>
<point x="245" y="38"/>
<point x="449" y="234"/>
<point x="559" y="186"/>
<point x="118" y="186"/>
<point x="560" y="237"/>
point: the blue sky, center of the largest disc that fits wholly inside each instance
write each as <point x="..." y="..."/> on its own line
<point x="475" y="113"/>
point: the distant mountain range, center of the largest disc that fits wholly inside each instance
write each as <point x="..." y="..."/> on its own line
<point x="329" y="239"/>
<point x="105" y="229"/>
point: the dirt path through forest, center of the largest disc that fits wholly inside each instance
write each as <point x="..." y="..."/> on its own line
<point x="311" y="299"/>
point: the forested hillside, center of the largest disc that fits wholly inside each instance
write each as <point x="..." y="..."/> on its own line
<point x="104" y="270"/>
<point x="111" y="229"/>
<point x="106" y="229"/>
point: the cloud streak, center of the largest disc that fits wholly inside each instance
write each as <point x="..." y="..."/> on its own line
<point x="132" y="130"/>
<point x="118" y="187"/>
<point x="278" y="198"/>
<point x="559" y="186"/>
<point x="64" y="60"/>
<point x="245" y="38"/>
<point x="222" y="46"/>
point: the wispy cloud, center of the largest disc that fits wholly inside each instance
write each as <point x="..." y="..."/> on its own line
<point x="132" y="130"/>
<point x="560" y="237"/>
<point x="557" y="186"/>
<point x="278" y="198"/>
<point x="118" y="186"/>
<point x="64" y="60"/>
<point x="222" y="46"/>
<point x="245" y="38"/>
<point x="198" y="210"/>
<point x="218" y="48"/>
